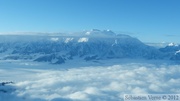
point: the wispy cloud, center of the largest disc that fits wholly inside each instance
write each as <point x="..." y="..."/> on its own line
<point x="126" y="32"/>
<point x="172" y="35"/>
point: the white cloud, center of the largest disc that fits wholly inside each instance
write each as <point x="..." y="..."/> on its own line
<point x="106" y="83"/>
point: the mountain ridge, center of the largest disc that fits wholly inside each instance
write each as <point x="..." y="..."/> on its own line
<point x="96" y="45"/>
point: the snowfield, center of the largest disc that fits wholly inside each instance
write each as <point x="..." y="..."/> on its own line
<point x="106" y="80"/>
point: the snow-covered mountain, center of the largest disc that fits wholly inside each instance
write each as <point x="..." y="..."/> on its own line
<point x="173" y="51"/>
<point x="88" y="45"/>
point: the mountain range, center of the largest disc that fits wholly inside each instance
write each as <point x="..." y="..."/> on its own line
<point x="90" y="45"/>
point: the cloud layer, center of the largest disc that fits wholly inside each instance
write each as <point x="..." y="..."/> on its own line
<point x="97" y="83"/>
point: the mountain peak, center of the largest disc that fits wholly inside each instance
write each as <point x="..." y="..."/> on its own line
<point x="172" y="44"/>
<point x="97" y="32"/>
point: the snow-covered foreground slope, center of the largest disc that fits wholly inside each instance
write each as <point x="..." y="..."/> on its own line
<point x="104" y="81"/>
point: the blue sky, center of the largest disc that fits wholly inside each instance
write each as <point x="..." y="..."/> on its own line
<point x="148" y="20"/>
